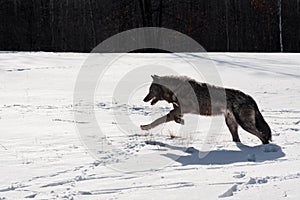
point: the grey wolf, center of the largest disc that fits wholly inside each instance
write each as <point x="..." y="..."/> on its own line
<point x="190" y="96"/>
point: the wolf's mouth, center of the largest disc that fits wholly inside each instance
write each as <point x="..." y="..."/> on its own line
<point x="154" y="101"/>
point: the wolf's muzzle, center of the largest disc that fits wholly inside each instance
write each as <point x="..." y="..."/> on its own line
<point x="148" y="98"/>
<point x="151" y="97"/>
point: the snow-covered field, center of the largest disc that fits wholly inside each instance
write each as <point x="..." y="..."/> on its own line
<point x="43" y="154"/>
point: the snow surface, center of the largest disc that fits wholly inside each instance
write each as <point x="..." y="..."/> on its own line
<point x="43" y="155"/>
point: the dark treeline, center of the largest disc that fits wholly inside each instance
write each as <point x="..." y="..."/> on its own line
<point x="218" y="25"/>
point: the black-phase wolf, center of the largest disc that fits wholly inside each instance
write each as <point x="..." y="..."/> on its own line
<point x="190" y="96"/>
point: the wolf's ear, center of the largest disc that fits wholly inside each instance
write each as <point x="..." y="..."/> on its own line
<point x="155" y="78"/>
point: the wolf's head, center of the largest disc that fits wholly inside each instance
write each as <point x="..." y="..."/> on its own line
<point x="159" y="92"/>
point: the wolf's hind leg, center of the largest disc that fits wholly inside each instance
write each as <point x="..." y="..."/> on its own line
<point x="233" y="126"/>
<point x="252" y="129"/>
<point x="247" y="122"/>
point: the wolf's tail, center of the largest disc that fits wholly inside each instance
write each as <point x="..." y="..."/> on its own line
<point x="262" y="126"/>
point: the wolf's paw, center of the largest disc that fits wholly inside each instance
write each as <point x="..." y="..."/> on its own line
<point x="145" y="127"/>
<point x="179" y="120"/>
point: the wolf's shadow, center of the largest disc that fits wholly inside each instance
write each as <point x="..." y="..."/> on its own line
<point x="245" y="153"/>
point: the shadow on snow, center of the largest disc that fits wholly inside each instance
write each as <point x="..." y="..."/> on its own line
<point x="259" y="153"/>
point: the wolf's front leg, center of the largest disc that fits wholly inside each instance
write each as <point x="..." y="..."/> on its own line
<point x="173" y="115"/>
<point x="155" y="123"/>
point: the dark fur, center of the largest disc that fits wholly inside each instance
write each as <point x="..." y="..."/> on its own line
<point x="190" y="96"/>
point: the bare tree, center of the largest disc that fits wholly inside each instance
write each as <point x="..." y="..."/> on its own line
<point x="280" y="24"/>
<point x="151" y="12"/>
